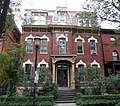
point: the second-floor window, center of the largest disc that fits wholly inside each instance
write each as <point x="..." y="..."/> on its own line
<point x="79" y="46"/>
<point x="43" y="47"/>
<point x="93" y="47"/>
<point x="62" y="46"/>
<point x="29" y="46"/>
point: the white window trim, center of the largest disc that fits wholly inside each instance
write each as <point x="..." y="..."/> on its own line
<point x="80" y="63"/>
<point x="79" y="37"/>
<point x="45" y="37"/>
<point x="43" y="62"/>
<point x="92" y="38"/>
<point x="62" y="36"/>
<point x="95" y="63"/>
<point x="30" y="36"/>
<point x="27" y="62"/>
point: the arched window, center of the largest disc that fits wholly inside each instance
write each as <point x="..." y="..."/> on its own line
<point x="28" y="68"/>
<point x="93" y="47"/>
<point x="81" y="70"/>
<point x="29" y="46"/>
<point x="79" y="41"/>
<point x="29" y="43"/>
<point x="44" y="44"/>
<point x="96" y="67"/>
<point x="62" y="46"/>
<point x="115" y="55"/>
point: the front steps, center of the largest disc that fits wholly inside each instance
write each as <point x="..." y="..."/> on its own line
<point x="65" y="95"/>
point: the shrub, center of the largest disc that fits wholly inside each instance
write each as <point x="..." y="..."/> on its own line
<point x="26" y="101"/>
<point x="97" y="100"/>
<point x="50" y="89"/>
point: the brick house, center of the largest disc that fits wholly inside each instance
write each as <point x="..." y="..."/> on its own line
<point x="66" y="46"/>
<point x="111" y="53"/>
<point x="9" y="38"/>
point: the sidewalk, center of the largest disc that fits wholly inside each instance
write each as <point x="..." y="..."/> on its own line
<point x="66" y="104"/>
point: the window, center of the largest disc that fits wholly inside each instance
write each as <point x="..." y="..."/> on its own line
<point x="62" y="46"/>
<point x="92" y="47"/>
<point x="62" y="17"/>
<point x="42" y="65"/>
<point x="43" y="47"/>
<point x="79" y="46"/>
<point x="95" y="67"/>
<point x="112" y="39"/>
<point x="115" y="56"/>
<point x="42" y="20"/>
<point x="35" y="18"/>
<point x="28" y="68"/>
<point x="80" y="72"/>
<point x="29" y="47"/>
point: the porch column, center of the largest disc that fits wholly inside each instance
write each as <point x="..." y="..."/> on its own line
<point x="53" y="73"/>
<point x="73" y="77"/>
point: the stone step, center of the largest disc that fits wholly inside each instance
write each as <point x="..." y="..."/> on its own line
<point x="71" y="101"/>
<point x="66" y="95"/>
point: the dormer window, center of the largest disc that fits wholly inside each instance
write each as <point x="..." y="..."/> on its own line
<point x="62" y="17"/>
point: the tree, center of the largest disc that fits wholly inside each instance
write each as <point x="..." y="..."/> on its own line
<point x="88" y="19"/>
<point x="105" y="9"/>
<point x="8" y="12"/>
<point x="10" y="66"/>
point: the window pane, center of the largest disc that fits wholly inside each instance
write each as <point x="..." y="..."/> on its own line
<point x="93" y="47"/>
<point x="27" y="68"/>
<point x="62" y="46"/>
<point x="42" y="65"/>
<point x="29" y="45"/>
<point x="81" y="72"/>
<point x="96" y="69"/>
<point x="43" y="46"/>
<point x="115" y="55"/>
<point x="79" y="46"/>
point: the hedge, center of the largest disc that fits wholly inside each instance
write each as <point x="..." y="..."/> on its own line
<point x="97" y="100"/>
<point x="26" y="101"/>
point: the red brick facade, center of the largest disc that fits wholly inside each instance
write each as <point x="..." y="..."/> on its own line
<point x="68" y="34"/>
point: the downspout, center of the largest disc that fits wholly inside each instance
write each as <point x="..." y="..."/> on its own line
<point x="102" y="51"/>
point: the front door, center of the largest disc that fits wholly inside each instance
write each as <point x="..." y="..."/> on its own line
<point x="62" y="75"/>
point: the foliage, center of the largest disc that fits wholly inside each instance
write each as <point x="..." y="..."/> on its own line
<point x="87" y="18"/>
<point x="11" y="66"/>
<point x="97" y="100"/>
<point x="26" y="101"/>
<point x="105" y="9"/>
<point x="92" y="72"/>
<point x="42" y="71"/>
<point x="112" y="84"/>
<point x="13" y="13"/>
<point x="50" y="89"/>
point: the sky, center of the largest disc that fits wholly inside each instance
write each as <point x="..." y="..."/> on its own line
<point x="51" y="4"/>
